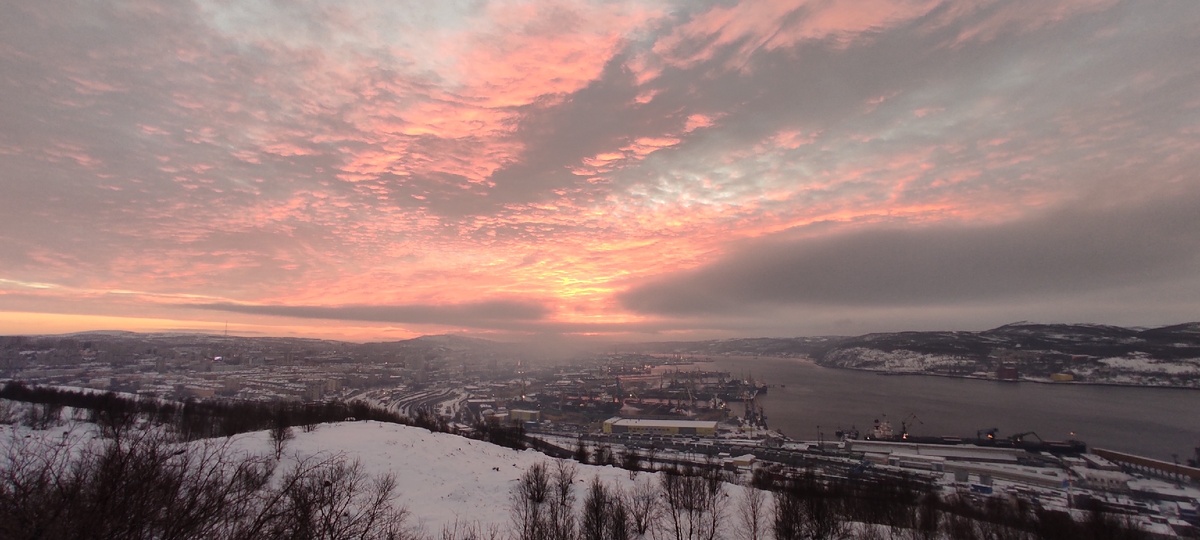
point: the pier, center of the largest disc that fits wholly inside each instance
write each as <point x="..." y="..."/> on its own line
<point x="1167" y="469"/>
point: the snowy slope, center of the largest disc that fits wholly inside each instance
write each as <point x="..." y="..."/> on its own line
<point x="442" y="478"/>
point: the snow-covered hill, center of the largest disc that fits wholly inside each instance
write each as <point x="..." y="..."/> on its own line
<point x="1081" y="353"/>
<point x="442" y="478"/>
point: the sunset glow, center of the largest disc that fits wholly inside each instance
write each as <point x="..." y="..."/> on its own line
<point x="610" y="169"/>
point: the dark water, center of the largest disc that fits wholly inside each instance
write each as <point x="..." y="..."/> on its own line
<point x="1155" y="422"/>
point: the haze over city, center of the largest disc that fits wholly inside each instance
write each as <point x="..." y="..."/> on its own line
<point x="619" y="169"/>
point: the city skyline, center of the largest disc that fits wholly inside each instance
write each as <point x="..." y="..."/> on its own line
<point x="602" y="169"/>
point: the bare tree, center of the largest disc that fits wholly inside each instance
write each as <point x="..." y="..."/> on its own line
<point x="605" y="514"/>
<point x="631" y="460"/>
<point x="562" y="511"/>
<point x="603" y="455"/>
<point x="8" y="412"/>
<point x="805" y="508"/>
<point x="309" y="418"/>
<point x="651" y="453"/>
<point x="543" y="504"/>
<point x="643" y="506"/>
<point x="929" y="517"/>
<point x="752" y="511"/>
<point x="581" y="451"/>
<point x="962" y="522"/>
<point x="693" y="503"/>
<point x="43" y="416"/>
<point x="114" y="415"/>
<point x="528" y="504"/>
<point x="596" y="518"/>
<point x="872" y="531"/>
<point x="620" y="527"/>
<point x="280" y="433"/>
<point x="788" y="523"/>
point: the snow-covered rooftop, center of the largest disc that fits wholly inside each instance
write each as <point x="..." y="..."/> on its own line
<point x="644" y="422"/>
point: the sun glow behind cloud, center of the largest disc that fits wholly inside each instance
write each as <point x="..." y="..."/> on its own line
<point x="385" y="169"/>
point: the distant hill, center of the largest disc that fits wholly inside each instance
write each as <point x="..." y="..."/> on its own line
<point x="1091" y="353"/>
<point x="798" y="346"/>
<point x="1166" y="343"/>
<point x="426" y="347"/>
<point x="1166" y="356"/>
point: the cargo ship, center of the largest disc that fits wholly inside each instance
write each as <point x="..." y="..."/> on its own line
<point x="1029" y="441"/>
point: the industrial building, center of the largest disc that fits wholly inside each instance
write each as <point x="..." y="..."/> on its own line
<point x="524" y="415"/>
<point x="670" y="428"/>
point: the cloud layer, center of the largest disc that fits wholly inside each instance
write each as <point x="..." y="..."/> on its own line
<point x="490" y="314"/>
<point x="1059" y="254"/>
<point x="597" y="167"/>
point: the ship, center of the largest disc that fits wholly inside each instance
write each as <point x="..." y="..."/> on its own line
<point x="1029" y="441"/>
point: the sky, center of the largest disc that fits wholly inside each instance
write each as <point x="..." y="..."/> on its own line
<point x="597" y="169"/>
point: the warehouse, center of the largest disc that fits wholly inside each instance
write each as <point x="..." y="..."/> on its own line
<point x="670" y="428"/>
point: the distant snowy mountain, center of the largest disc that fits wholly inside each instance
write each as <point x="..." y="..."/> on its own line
<point x="1167" y="356"/>
<point x="1087" y="353"/>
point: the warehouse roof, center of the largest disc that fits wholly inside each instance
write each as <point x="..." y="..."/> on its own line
<point x="643" y="422"/>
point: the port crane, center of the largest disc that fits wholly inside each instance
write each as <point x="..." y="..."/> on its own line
<point x="1021" y="437"/>
<point x="905" y="423"/>
<point x="990" y="434"/>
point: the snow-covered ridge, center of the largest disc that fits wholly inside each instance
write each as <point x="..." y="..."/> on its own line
<point x="1078" y="353"/>
<point x="442" y="478"/>
<point x="898" y="361"/>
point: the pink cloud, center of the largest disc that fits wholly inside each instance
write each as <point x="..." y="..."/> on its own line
<point x="92" y="87"/>
<point x="344" y="154"/>
<point x="525" y="50"/>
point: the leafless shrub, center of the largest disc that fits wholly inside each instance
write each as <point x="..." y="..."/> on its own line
<point x="142" y="487"/>
<point x="333" y="499"/>
<point x="460" y="530"/>
<point x="147" y="486"/>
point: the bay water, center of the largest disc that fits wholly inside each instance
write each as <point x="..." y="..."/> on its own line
<point x="806" y="401"/>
